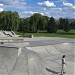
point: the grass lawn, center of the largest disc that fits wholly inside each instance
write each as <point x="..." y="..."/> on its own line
<point x="60" y="33"/>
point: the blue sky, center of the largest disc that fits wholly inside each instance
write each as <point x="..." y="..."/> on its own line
<point x="26" y="8"/>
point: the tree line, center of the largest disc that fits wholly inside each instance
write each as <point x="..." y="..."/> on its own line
<point x="11" y="21"/>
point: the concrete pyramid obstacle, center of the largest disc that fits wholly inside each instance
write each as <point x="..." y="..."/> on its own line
<point x="9" y="36"/>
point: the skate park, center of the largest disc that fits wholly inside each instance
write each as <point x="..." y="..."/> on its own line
<point x="35" y="56"/>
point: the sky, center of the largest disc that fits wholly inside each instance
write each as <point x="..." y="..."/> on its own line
<point x="51" y="8"/>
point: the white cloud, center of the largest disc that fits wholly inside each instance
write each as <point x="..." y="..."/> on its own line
<point x="14" y="3"/>
<point x="69" y="5"/>
<point x="44" y="8"/>
<point x="47" y="3"/>
<point x="47" y="12"/>
<point x="69" y="9"/>
<point x="1" y="9"/>
<point x="41" y="13"/>
<point x="28" y="13"/>
<point x="1" y="5"/>
<point x="31" y="12"/>
<point x="54" y="11"/>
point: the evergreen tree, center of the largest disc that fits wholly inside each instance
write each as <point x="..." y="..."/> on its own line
<point x="52" y="27"/>
<point x="67" y="26"/>
<point x="61" y="23"/>
<point x="73" y="24"/>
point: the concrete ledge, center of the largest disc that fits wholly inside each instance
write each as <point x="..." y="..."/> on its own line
<point x="11" y="39"/>
<point x="27" y="36"/>
<point x="8" y="46"/>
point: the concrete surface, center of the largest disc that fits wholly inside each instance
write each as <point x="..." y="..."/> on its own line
<point x="7" y="34"/>
<point x="10" y="37"/>
<point x="42" y="56"/>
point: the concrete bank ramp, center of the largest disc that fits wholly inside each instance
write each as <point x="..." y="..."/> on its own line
<point x="51" y="56"/>
<point x="40" y="60"/>
<point x="8" y="56"/>
<point x="15" y="61"/>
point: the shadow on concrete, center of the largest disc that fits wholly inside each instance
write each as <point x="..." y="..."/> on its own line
<point x="49" y="70"/>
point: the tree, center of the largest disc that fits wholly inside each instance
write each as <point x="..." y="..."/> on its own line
<point x="67" y="26"/>
<point x="46" y="21"/>
<point x="33" y="27"/>
<point x="32" y="24"/>
<point x="41" y="25"/>
<point x="20" y="27"/>
<point x="9" y="20"/>
<point x="52" y="27"/>
<point x="73" y="24"/>
<point x="38" y="21"/>
<point x="61" y="23"/>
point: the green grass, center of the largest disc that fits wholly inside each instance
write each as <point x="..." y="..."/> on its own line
<point x="60" y="33"/>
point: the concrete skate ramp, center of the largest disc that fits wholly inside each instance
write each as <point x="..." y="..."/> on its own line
<point x="8" y="56"/>
<point x="41" y="60"/>
<point x="15" y="61"/>
<point x="51" y="56"/>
